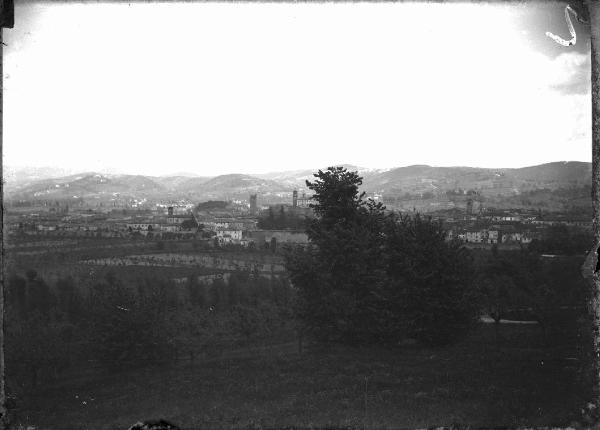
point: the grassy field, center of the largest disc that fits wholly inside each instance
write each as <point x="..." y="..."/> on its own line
<point x="476" y="382"/>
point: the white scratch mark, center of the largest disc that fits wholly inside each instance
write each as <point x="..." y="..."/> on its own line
<point x="559" y="39"/>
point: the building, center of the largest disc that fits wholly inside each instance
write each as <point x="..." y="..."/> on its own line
<point x="253" y="204"/>
<point x="474" y="236"/>
<point x="305" y="201"/>
<point x="229" y="236"/>
<point x="512" y="237"/>
<point x="178" y="219"/>
<point x="469" y="207"/>
<point x="229" y="223"/>
<point x="172" y="228"/>
<point x="492" y="236"/>
<point x="140" y="226"/>
<point x="281" y="236"/>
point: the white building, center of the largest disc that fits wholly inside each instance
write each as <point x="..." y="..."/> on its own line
<point x="474" y="236"/>
<point x="229" y="235"/>
<point x="492" y="236"/>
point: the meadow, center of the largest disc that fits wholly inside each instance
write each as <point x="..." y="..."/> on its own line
<point x="515" y="381"/>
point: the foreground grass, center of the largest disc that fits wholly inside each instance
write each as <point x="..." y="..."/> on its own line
<point x="518" y="382"/>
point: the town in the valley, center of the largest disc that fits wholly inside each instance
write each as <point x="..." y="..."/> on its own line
<point x="237" y="222"/>
<point x="229" y="288"/>
<point x="262" y="215"/>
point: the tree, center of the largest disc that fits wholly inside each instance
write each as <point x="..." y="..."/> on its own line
<point x="35" y="347"/>
<point x="196" y="291"/>
<point x="336" y="196"/>
<point x="430" y="290"/>
<point x="270" y="219"/>
<point x="285" y="220"/>
<point x="498" y="297"/>
<point x="129" y="328"/>
<point x="16" y="294"/>
<point x="39" y="296"/>
<point x="563" y="240"/>
<point x="554" y="289"/>
<point x="282" y="221"/>
<point x="248" y="321"/>
<point x="189" y="224"/>
<point x="338" y="277"/>
<point x="70" y="301"/>
<point x="211" y="205"/>
<point x="370" y="276"/>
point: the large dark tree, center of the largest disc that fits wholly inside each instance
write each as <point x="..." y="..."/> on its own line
<point x="340" y="275"/>
<point x="368" y="276"/>
<point x="336" y="196"/>
<point x="430" y="286"/>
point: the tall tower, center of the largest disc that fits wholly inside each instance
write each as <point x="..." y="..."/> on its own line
<point x="469" y="206"/>
<point x="295" y="199"/>
<point x="253" y="206"/>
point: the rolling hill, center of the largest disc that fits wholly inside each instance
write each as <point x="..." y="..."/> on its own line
<point x="414" y="180"/>
<point x="85" y="185"/>
<point x="422" y="178"/>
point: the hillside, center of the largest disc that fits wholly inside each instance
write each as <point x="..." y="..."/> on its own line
<point x="421" y="178"/>
<point x="238" y="185"/>
<point x="297" y="178"/>
<point x="414" y="181"/>
<point x="572" y="172"/>
<point x="26" y="175"/>
<point x="85" y="185"/>
<point x="181" y="183"/>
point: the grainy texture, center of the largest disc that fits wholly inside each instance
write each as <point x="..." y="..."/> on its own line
<point x="589" y="268"/>
<point x="3" y="415"/>
<point x="8" y="14"/>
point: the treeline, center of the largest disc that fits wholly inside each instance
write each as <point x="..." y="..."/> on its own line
<point x="525" y="286"/>
<point x="576" y="199"/>
<point x="371" y="276"/>
<point x="376" y="277"/>
<point x="212" y="205"/>
<point x="115" y="323"/>
<point x="563" y="240"/>
<point x="280" y="219"/>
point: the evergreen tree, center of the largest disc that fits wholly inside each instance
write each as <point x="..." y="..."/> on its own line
<point x="282" y="221"/>
<point x="339" y="277"/>
<point x="430" y="287"/>
<point x="271" y="219"/>
<point x="369" y="276"/>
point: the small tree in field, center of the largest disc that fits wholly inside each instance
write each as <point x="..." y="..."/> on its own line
<point x="128" y="328"/>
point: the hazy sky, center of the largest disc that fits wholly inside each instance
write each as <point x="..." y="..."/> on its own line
<point x="216" y="88"/>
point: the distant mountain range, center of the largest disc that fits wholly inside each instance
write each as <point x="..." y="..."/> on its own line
<point x="54" y="184"/>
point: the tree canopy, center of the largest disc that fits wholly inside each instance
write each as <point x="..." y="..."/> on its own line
<point x="373" y="276"/>
<point x="211" y="204"/>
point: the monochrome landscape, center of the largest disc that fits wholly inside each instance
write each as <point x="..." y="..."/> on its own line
<point x="296" y="216"/>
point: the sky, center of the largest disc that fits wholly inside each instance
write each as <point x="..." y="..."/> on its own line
<point x="216" y="88"/>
